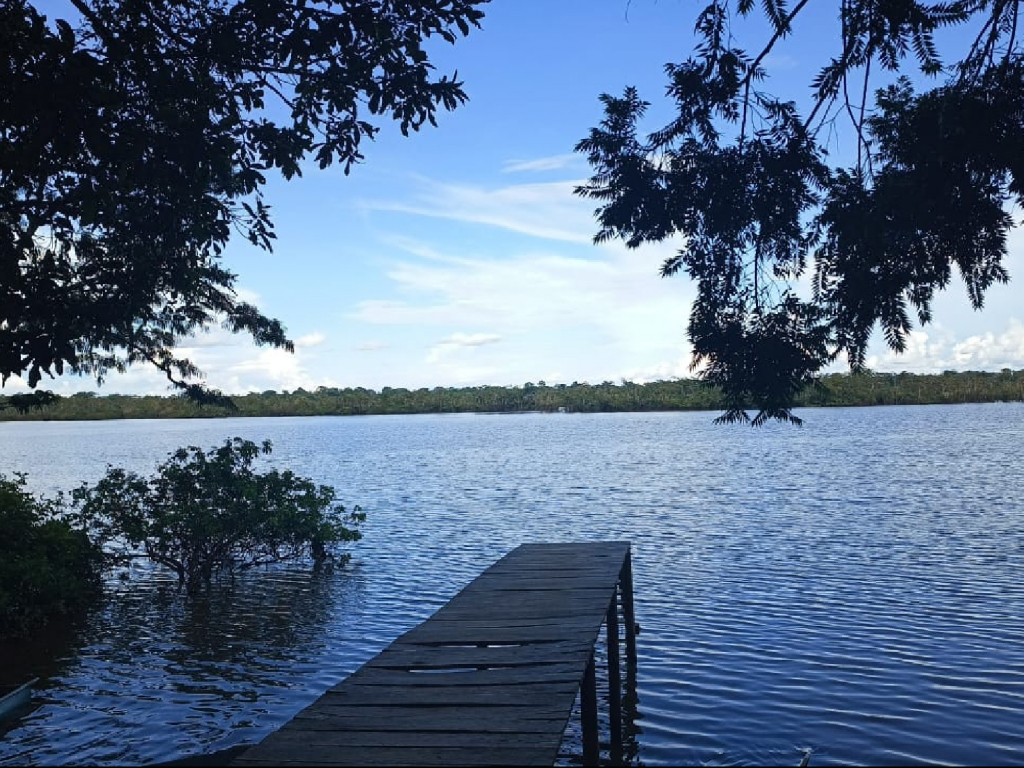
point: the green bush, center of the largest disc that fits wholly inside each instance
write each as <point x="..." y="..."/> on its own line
<point x="48" y="566"/>
<point x="209" y="512"/>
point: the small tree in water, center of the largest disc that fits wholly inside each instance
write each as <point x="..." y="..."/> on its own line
<point x="209" y="512"/>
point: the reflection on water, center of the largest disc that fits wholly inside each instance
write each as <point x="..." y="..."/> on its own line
<point x="156" y="673"/>
<point x="850" y="589"/>
<point x="47" y="655"/>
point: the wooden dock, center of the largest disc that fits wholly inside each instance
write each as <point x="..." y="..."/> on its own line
<point x="490" y="679"/>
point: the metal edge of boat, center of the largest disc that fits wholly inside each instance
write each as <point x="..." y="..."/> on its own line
<point x="12" y="702"/>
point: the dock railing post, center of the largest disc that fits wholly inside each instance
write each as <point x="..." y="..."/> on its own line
<point x="588" y="715"/>
<point x="614" y="681"/>
<point x="628" y="615"/>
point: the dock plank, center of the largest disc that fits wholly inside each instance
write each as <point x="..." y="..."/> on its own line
<point x="489" y="679"/>
<point x="398" y="756"/>
<point x="537" y="694"/>
<point x="448" y="719"/>
<point x="441" y="656"/>
<point x="552" y="673"/>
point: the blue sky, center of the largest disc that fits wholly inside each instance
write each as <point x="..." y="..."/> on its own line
<point x="459" y="255"/>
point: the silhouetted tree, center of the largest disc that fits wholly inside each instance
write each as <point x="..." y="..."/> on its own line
<point x="744" y="178"/>
<point x="136" y="136"/>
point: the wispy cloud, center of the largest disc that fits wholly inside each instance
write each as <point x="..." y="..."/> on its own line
<point x="550" y="210"/>
<point x="780" y="62"/>
<point x="534" y="291"/>
<point x="470" y="339"/>
<point x="310" y="340"/>
<point x="370" y="346"/>
<point x="551" y="163"/>
<point x="449" y="345"/>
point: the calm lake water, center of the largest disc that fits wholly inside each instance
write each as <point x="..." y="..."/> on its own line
<point x="854" y="587"/>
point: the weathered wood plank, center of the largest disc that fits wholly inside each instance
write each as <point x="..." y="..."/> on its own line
<point x="548" y="673"/>
<point x="493" y="622"/>
<point x="477" y="604"/>
<point x="400" y="756"/>
<point x="535" y="611"/>
<point x="296" y="738"/>
<point x="441" y="718"/>
<point x="541" y="731"/>
<point x="496" y="600"/>
<point x="528" y="695"/>
<point x="374" y="738"/>
<point x="569" y="625"/>
<point x="530" y="609"/>
<point x="455" y="633"/>
<point x="537" y="582"/>
<point x="450" y="634"/>
<point x="548" y="571"/>
<point x="435" y="657"/>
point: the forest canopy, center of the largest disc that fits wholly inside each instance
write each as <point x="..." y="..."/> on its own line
<point x="837" y="389"/>
<point x="744" y="179"/>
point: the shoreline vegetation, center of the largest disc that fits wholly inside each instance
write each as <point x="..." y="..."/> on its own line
<point x="839" y="389"/>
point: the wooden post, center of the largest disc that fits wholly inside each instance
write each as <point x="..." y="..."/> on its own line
<point x="614" y="681"/>
<point x="588" y="715"/>
<point x="628" y="616"/>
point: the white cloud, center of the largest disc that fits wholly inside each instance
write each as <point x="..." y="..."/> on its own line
<point x="937" y="349"/>
<point x="231" y="363"/>
<point x="671" y="369"/>
<point x="780" y="62"/>
<point x="551" y="163"/>
<point x="267" y="369"/>
<point x="548" y="210"/>
<point x="618" y="290"/>
<point x="597" y="318"/>
<point x="310" y="340"/>
<point x="470" y="339"/>
<point x="248" y="296"/>
<point x="448" y="346"/>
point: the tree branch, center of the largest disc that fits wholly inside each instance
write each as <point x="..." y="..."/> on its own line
<point x="165" y="29"/>
<point x="265" y="81"/>
<point x="860" y="124"/>
<point x="101" y="29"/>
<point x="780" y="32"/>
<point x="1013" y="31"/>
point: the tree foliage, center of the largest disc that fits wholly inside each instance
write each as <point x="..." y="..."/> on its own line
<point x="48" y="567"/>
<point x="205" y="513"/>
<point x="137" y="136"/>
<point x="746" y="181"/>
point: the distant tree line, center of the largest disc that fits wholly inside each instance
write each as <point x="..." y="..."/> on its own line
<point x="840" y="389"/>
